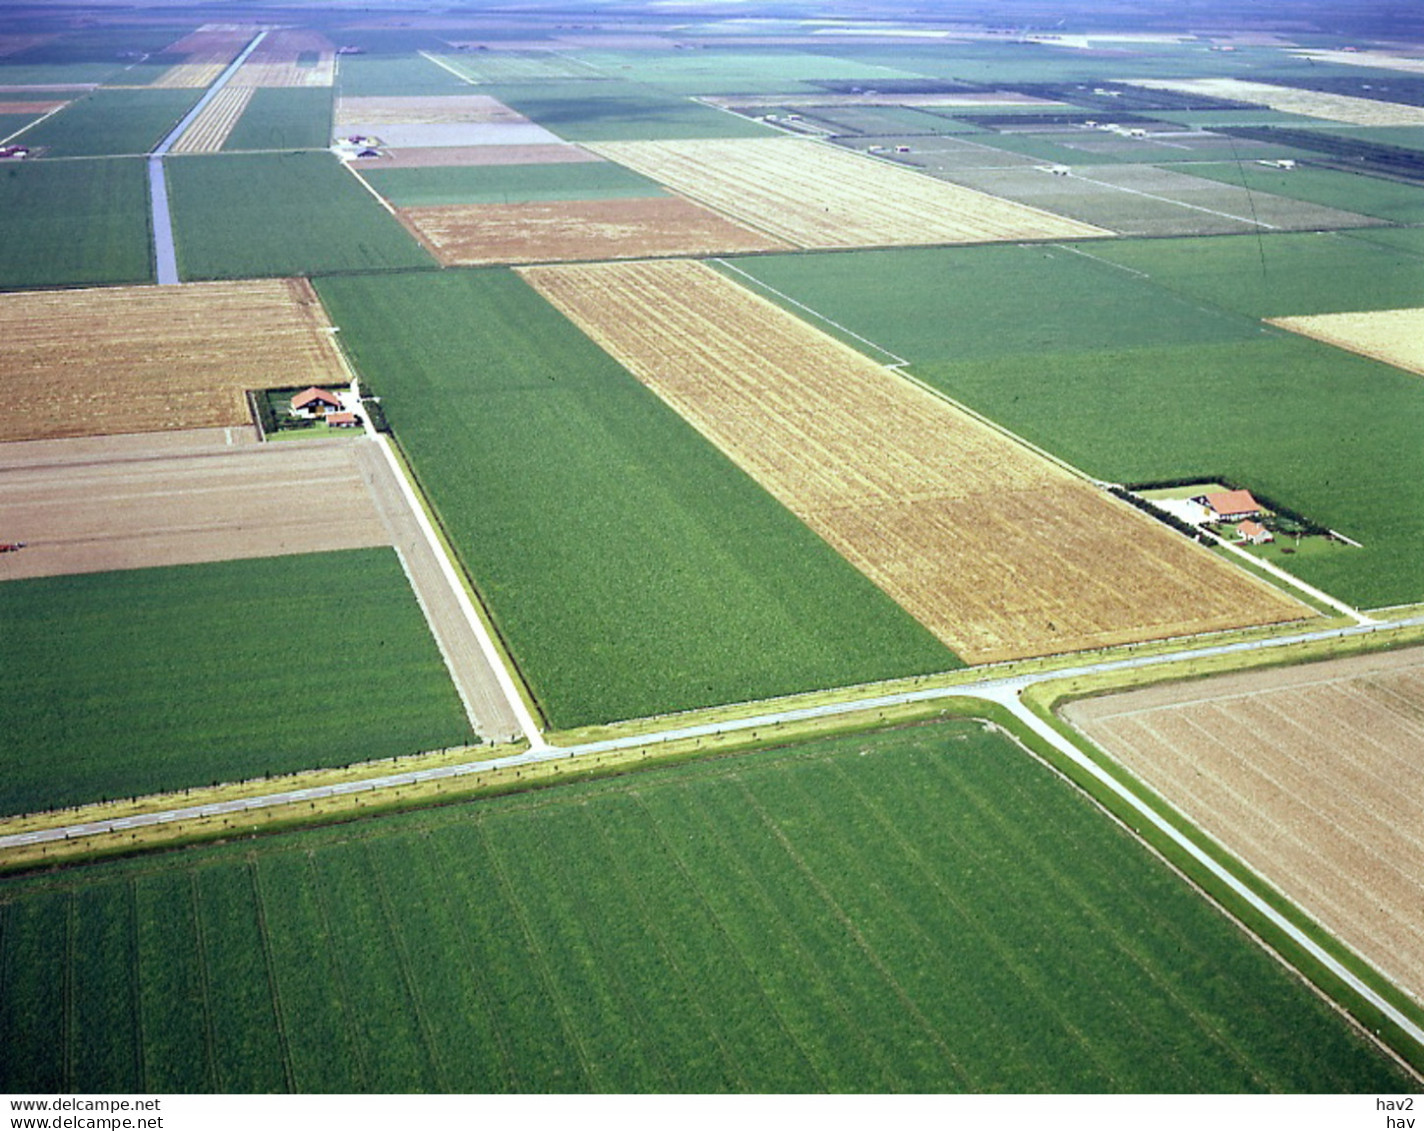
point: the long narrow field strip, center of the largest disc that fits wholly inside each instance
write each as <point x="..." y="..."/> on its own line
<point x="1313" y="775"/>
<point x="145" y="359"/>
<point x="1000" y="553"/>
<point x="544" y="231"/>
<point x="1395" y="337"/>
<point x="281" y="61"/>
<point x="84" y="506"/>
<point x="923" y="911"/>
<point x="816" y="196"/>
<point x="371" y="113"/>
<point x="1384" y="60"/>
<point x="210" y="129"/>
<point x="1312" y="103"/>
<point x="206" y="52"/>
<point x="440" y="156"/>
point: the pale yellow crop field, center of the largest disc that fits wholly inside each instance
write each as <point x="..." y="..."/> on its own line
<point x="996" y="550"/>
<point x="817" y="196"/>
<point x="207" y="132"/>
<point x="1311" y="103"/>
<point x="1383" y="60"/>
<point x="1392" y="336"/>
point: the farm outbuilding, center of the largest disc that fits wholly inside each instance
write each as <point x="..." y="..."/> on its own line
<point x="315" y="402"/>
<point x="1253" y="532"/>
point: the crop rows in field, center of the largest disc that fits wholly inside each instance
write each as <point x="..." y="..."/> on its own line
<point x="872" y="914"/>
<point x="143" y="680"/>
<point x="277" y="62"/>
<point x="1395" y="337"/>
<point x="1310" y="775"/>
<point x="210" y="129"/>
<point x="372" y="112"/>
<point x="632" y="570"/>
<point x="934" y="507"/>
<point x="171" y="357"/>
<point x="1311" y="103"/>
<point x="206" y="53"/>
<point x="816" y="196"/>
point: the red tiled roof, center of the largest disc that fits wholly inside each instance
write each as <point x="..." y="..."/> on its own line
<point x="313" y="395"/>
<point x="340" y="418"/>
<point x="1250" y="529"/>
<point x="1233" y="502"/>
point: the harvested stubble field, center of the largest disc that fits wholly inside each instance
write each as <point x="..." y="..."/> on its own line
<point x="145" y="359"/>
<point x="437" y="156"/>
<point x="542" y="231"/>
<point x="1311" y="103"/>
<point x="210" y="129"/>
<point x="816" y="196"/>
<point x="1395" y="337"/>
<point x="1311" y="775"/>
<point x="277" y="62"/>
<point x="207" y="52"/>
<point x="430" y="110"/>
<point x="1000" y="553"/>
<point x="126" y="502"/>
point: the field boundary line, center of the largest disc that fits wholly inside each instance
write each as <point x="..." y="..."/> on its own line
<point x="1290" y="579"/>
<point x="37" y="121"/>
<point x="1100" y="259"/>
<point x="365" y="184"/>
<point x="444" y="66"/>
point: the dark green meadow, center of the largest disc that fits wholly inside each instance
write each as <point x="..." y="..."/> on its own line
<point x="104" y="122"/>
<point x="82" y="223"/>
<point x="1372" y="196"/>
<point x="239" y="216"/>
<point x="632" y="569"/>
<point x="619" y="110"/>
<point x="928" y="910"/>
<point x="284" y="118"/>
<point x="509" y="184"/>
<point x="133" y="682"/>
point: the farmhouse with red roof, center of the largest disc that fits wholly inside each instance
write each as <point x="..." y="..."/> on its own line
<point x="1230" y="506"/>
<point x="315" y="402"/>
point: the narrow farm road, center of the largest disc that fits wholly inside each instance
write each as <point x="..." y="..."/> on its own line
<point x="165" y="255"/>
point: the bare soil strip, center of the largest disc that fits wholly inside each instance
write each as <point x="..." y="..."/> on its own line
<point x="79" y="512"/>
<point x="1313" y="775"/>
<point x="999" y="552"/>
<point x="30" y="107"/>
<point x="1395" y="337"/>
<point x="477" y="234"/>
<point x="426" y="110"/>
<point x="144" y="359"/>
<point x="817" y="196"/>
<point x="207" y="132"/>
<point x="1311" y="103"/>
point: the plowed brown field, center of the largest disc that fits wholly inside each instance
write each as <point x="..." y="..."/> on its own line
<point x="815" y="195"/>
<point x="1392" y="336"/>
<point x="1312" y="775"/>
<point x="475" y="234"/>
<point x="145" y="359"/>
<point x="1311" y="103"/>
<point x="996" y="550"/>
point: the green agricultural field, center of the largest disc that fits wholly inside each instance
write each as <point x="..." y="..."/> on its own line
<point x="1355" y="192"/>
<point x="77" y="223"/>
<point x="616" y="110"/>
<point x="107" y="122"/>
<point x="736" y="70"/>
<point x="238" y="216"/>
<point x="380" y="75"/>
<point x="632" y="569"/>
<point x="157" y="679"/>
<point x="1406" y="137"/>
<point x="284" y="118"/>
<point x="13" y="123"/>
<point x="924" y="911"/>
<point x="509" y="184"/>
<point x="1124" y="375"/>
<point x="518" y="66"/>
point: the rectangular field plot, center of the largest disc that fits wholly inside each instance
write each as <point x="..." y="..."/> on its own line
<point x="814" y="195"/>
<point x="616" y="110"/>
<point x="1311" y="103"/>
<point x="128" y="502"/>
<point x="146" y="359"/>
<point x="931" y="505"/>
<point x="1310" y="775"/>
<point x="451" y="156"/>
<point x="107" y="123"/>
<point x="614" y="228"/>
<point x="283" y="118"/>
<point x="289" y="57"/>
<point x="1371" y="196"/>
<point x="128" y="683"/>
<point x="1395" y="337"/>
<point x="520" y="183"/>
<point x="631" y="569"/>
<point x="84" y="222"/>
<point x="239" y="216"/>
<point x="923" y="911"/>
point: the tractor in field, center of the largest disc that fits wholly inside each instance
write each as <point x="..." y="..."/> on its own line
<point x="11" y="547"/>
